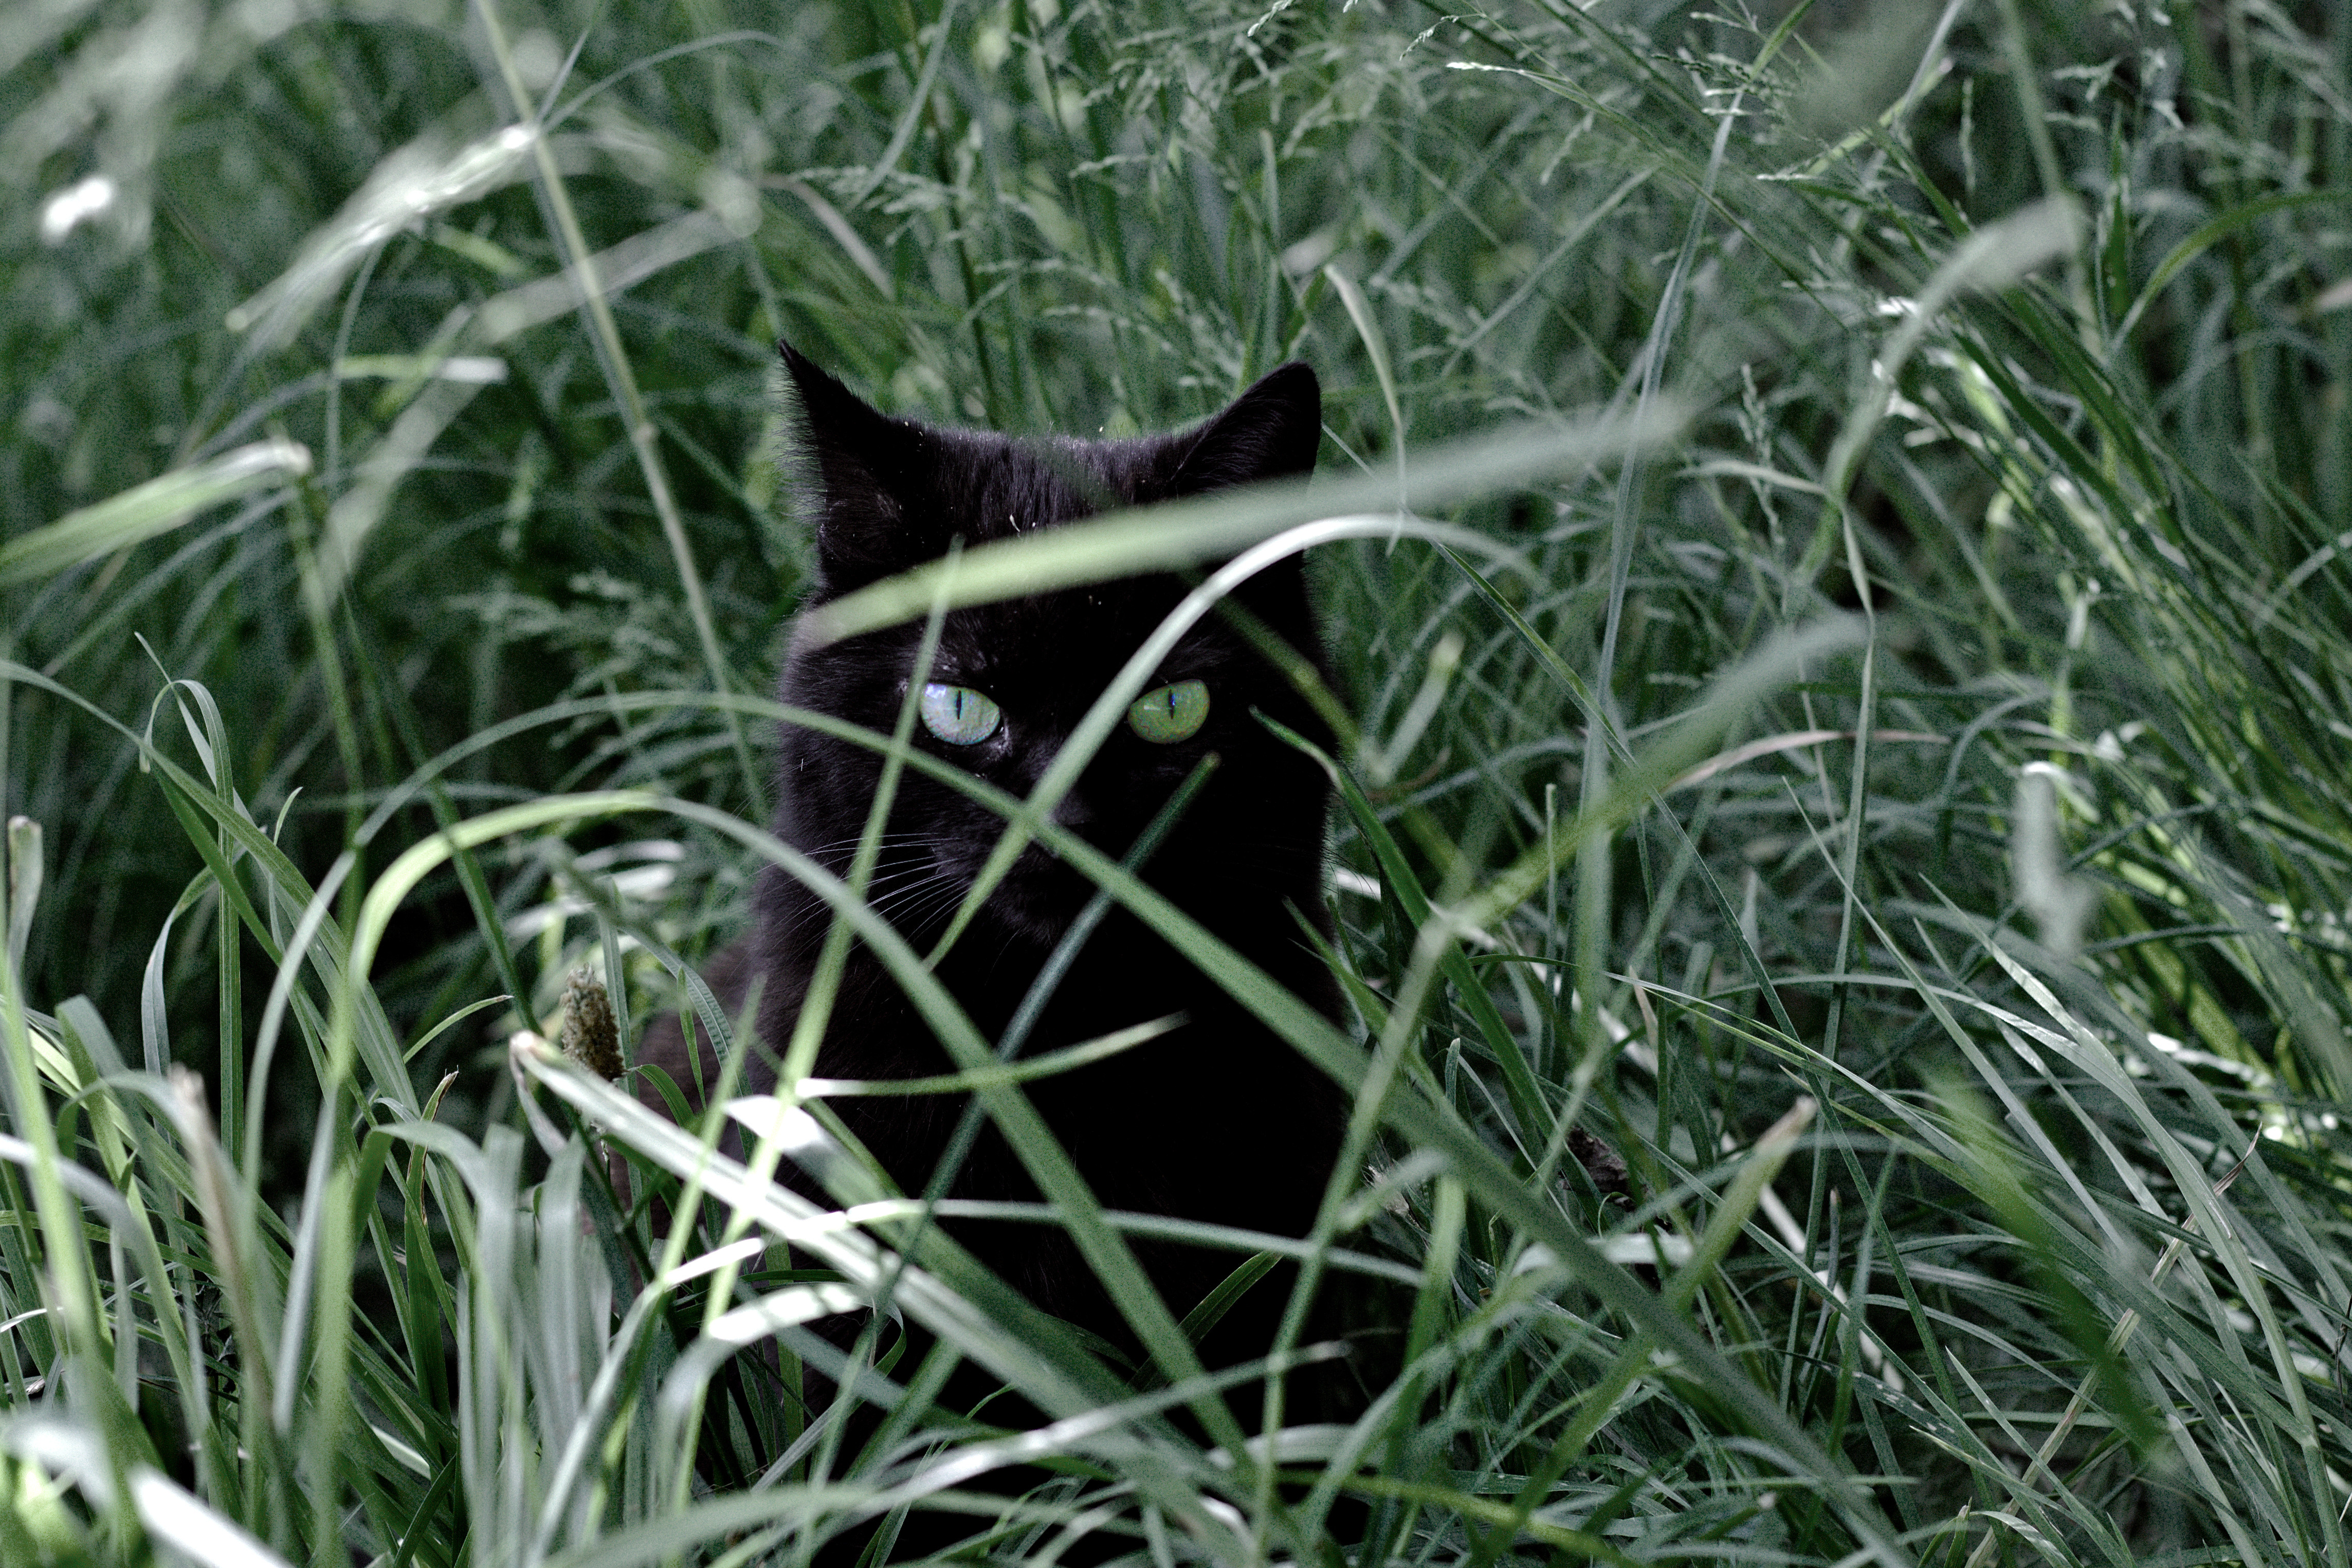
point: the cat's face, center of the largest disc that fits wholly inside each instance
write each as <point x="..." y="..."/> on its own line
<point x="1010" y="680"/>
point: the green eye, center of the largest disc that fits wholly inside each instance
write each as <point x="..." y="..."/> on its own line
<point x="1170" y="713"/>
<point x="958" y="715"/>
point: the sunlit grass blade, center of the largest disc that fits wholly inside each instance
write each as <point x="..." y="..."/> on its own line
<point x="1190" y="533"/>
<point x="156" y="507"/>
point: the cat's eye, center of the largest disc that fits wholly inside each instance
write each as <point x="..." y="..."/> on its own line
<point x="1168" y="714"/>
<point x="958" y="715"/>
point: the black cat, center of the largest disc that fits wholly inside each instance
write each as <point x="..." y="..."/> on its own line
<point x="1217" y="1121"/>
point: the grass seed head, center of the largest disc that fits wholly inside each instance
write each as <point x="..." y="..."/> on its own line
<point x="591" y="1036"/>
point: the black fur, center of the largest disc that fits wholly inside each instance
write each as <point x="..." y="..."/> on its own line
<point x="1218" y="1120"/>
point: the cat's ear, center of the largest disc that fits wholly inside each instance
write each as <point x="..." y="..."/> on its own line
<point x="1269" y="432"/>
<point x="860" y="469"/>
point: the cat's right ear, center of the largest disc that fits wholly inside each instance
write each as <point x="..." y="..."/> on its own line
<point x="857" y="465"/>
<point x="1269" y="432"/>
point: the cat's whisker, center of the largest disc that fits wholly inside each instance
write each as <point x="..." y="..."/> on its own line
<point x="883" y="885"/>
<point x="932" y="890"/>
<point x="885" y="842"/>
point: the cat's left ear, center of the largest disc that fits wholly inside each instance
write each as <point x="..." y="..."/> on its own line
<point x="863" y="482"/>
<point x="1269" y="432"/>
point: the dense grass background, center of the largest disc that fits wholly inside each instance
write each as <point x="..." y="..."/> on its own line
<point x="1902" y="811"/>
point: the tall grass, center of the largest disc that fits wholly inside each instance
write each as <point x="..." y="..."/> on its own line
<point x="1853" y="721"/>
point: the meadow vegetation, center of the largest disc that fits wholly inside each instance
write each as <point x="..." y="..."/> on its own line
<point x="1846" y="692"/>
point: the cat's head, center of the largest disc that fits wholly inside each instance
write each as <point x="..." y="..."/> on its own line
<point x="1010" y="679"/>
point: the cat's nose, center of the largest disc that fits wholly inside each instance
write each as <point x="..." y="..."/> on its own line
<point x="1074" y="813"/>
